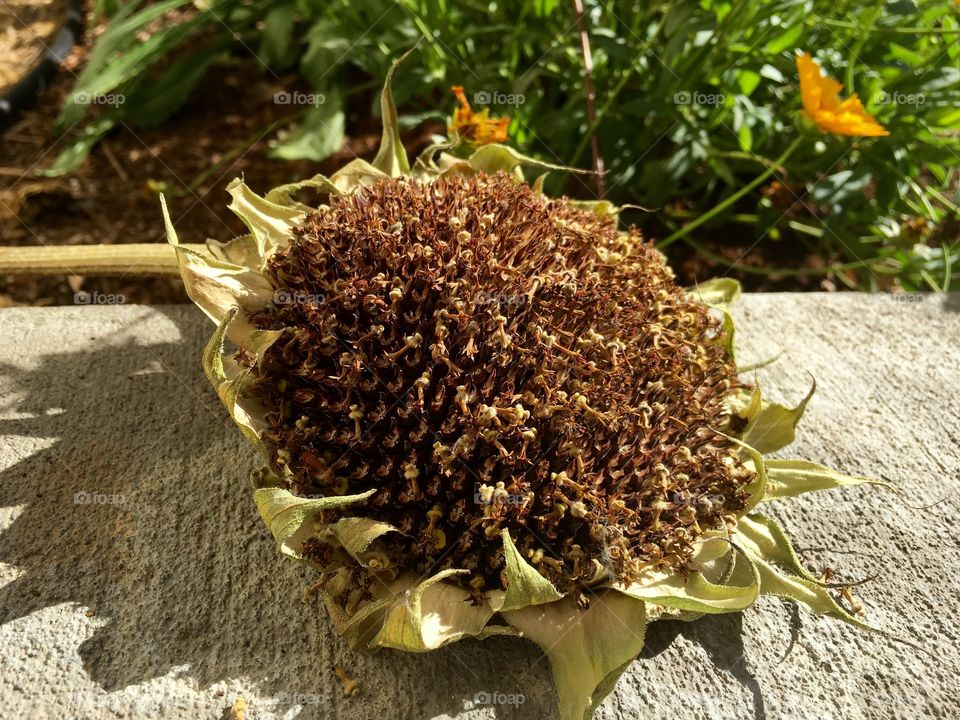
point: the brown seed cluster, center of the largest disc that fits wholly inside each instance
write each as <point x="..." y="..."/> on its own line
<point x="487" y="358"/>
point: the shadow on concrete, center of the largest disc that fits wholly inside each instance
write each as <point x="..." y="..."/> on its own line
<point x="721" y="636"/>
<point x="136" y="507"/>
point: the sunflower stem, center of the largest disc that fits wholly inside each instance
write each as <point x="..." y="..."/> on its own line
<point x="122" y="259"/>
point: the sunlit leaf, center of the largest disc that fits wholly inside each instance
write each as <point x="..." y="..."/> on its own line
<point x="391" y="158"/>
<point x="430" y="615"/>
<point x="588" y="648"/>
<point x="788" y="478"/>
<point x="285" y="513"/>
<point x="525" y="586"/>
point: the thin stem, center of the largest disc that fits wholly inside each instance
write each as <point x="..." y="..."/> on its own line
<point x="591" y="131"/>
<point x="731" y="199"/>
<point x="786" y="272"/>
<point x="892" y="29"/>
<point x="120" y="259"/>
<point x="591" y="95"/>
<point x="947" y="267"/>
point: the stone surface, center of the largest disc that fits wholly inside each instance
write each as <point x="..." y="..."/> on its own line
<point x="137" y="580"/>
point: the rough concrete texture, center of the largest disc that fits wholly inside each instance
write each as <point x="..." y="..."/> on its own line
<point x="137" y="579"/>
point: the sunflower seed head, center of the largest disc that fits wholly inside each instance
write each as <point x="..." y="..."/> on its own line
<point x="487" y="358"/>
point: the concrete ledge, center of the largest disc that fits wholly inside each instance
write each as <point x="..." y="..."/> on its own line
<point x="136" y="579"/>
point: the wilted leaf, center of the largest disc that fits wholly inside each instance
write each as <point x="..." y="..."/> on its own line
<point x="588" y="649"/>
<point x="788" y="478"/>
<point x="285" y="513"/>
<point x="430" y="615"/>
<point x="525" y="586"/>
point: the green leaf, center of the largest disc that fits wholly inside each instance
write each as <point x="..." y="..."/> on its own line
<point x="789" y="478"/>
<point x="694" y="593"/>
<point x="356" y="533"/>
<point x="285" y="513"/>
<point x="719" y="292"/>
<point x="905" y="55"/>
<point x="491" y="159"/>
<point x="588" y="648"/>
<point x="278" y="46"/>
<point x="787" y="39"/>
<point x="772" y="426"/>
<point x="745" y="136"/>
<point x="806" y="592"/>
<point x="600" y="208"/>
<point x="359" y="625"/>
<point x="77" y="152"/>
<point x="152" y="102"/>
<point x="119" y="55"/>
<point x="362" y="627"/>
<point x="241" y="250"/>
<point x="425" y="166"/>
<point x="356" y="173"/>
<point x="228" y="380"/>
<point x="525" y="586"/>
<point x="761" y="537"/>
<point x="326" y="50"/>
<point x="757" y="489"/>
<point x="283" y="194"/>
<point x="748" y="80"/>
<point x="392" y="157"/>
<point x="318" y="136"/>
<point x="270" y="223"/>
<point x="430" y="615"/>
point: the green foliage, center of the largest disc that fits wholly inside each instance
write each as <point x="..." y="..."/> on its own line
<point x="695" y="101"/>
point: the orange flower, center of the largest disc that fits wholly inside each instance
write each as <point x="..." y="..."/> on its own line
<point x="822" y="103"/>
<point x="476" y="127"/>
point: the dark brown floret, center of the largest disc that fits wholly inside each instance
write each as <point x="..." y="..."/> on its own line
<point x="488" y="358"/>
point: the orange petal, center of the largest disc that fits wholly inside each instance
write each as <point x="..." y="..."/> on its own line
<point x="810" y="89"/>
<point x="461" y="97"/>
<point x="821" y="100"/>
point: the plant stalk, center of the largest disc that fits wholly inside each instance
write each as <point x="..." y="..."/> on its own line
<point x="122" y="259"/>
<point x="591" y="96"/>
<point x="720" y="207"/>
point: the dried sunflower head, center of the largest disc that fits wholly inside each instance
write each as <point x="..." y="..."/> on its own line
<point x="486" y="411"/>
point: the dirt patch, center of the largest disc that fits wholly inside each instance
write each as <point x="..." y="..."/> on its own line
<point x="27" y="28"/>
<point x="114" y="198"/>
